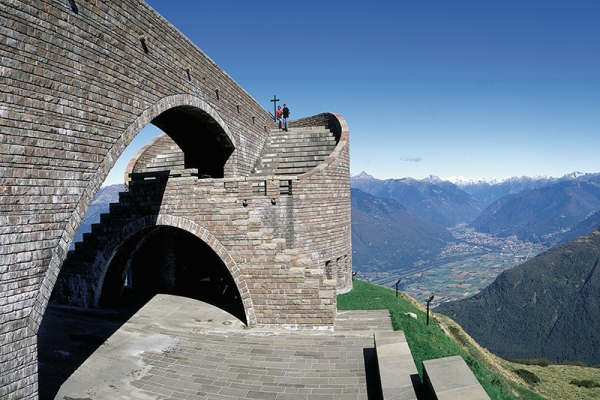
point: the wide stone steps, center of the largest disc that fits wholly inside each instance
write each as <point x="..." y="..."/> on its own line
<point x="294" y="159"/>
<point x="302" y="145"/>
<point x="167" y="163"/>
<point x="101" y="232"/>
<point x="318" y="136"/>
<point x="169" y="159"/>
<point x="295" y="152"/>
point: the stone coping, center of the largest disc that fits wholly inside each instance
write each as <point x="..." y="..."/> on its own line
<point x="450" y="378"/>
<point x="397" y="371"/>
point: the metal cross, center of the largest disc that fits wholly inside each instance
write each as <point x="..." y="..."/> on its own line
<point x="275" y="100"/>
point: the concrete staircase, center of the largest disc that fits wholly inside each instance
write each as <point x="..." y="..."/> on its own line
<point x="296" y="151"/>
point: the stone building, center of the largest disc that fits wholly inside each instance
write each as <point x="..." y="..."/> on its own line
<point x="264" y="213"/>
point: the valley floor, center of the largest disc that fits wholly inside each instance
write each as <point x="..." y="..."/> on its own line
<point x="462" y="270"/>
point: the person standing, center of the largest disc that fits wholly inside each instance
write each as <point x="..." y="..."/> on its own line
<point x="286" y="116"/>
<point x="279" y="115"/>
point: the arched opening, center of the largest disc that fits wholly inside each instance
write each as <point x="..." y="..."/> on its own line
<point x="199" y="140"/>
<point x="171" y="261"/>
<point x="204" y="143"/>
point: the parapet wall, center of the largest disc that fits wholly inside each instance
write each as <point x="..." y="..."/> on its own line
<point x="322" y="204"/>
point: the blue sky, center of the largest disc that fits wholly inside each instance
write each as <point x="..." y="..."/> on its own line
<point x="480" y="89"/>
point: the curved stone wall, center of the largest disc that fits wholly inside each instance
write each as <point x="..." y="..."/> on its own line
<point x="322" y="218"/>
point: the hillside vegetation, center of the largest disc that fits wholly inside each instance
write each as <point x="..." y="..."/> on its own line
<point x="386" y="235"/>
<point x="543" y="215"/>
<point x="443" y="337"/>
<point x="547" y="307"/>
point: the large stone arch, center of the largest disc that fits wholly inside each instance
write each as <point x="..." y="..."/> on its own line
<point x="146" y="117"/>
<point x="150" y="114"/>
<point x="82" y="78"/>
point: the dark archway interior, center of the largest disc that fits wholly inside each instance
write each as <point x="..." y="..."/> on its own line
<point x="171" y="261"/>
<point x="203" y="141"/>
<point x="155" y="260"/>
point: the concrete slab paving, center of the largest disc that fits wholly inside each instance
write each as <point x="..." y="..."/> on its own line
<point x="180" y="348"/>
<point x="450" y="378"/>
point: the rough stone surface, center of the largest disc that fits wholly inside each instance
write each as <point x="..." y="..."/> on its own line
<point x="176" y="347"/>
<point x="78" y="84"/>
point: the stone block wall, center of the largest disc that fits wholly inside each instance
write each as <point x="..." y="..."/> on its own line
<point x="77" y="86"/>
<point x="79" y="83"/>
<point x="322" y="204"/>
<point x="279" y="285"/>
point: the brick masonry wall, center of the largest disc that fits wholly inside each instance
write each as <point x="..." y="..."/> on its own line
<point x="279" y="284"/>
<point x="76" y="89"/>
<point x="78" y="85"/>
<point x="162" y="154"/>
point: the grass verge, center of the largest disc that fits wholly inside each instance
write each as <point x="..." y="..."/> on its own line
<point x="441" y="338"/>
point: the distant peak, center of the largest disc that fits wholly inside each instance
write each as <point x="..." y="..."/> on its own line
<point x="574" y="175"/>
<point x="461" y="180"/>
<point x="433" y="178"/>
<point x="363" y="175"/>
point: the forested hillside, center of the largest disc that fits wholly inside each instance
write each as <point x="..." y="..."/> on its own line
<point x="547" y="307"/>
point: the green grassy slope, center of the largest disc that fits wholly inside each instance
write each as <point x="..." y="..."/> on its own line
<point x="441" y="338"/>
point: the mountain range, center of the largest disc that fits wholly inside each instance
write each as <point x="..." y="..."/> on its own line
<point x="542" y="209"/>
<point x="542" y="215"/>
<point x="489" y="190"/>
<point x="439" y="202"/>
<point x="100" y="205"/>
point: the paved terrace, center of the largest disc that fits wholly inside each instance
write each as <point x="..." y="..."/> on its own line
<point x="179" y="348"/>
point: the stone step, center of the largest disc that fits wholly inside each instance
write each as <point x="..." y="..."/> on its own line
<point x="292" y="135"/>
<point x="303" y="129"/>
<point x="280" y="158"/>
<point x="283" y="148"/>
<point x="285" y="152"/>
<point x="300" y="131"/>
<point x="290" y="171"/>
<point x="283" y="159"/>
<point x="451" y="378"/>
<point x="281" y="166"/>
<point x="287" y="135"/>
<point x="301" y="144"/>
<point x="296" y="151"/>
<point x="397" y="371"/>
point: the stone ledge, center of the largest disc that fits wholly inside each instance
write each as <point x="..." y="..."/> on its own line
<point x="397" y="370"/>
<point x="450" y="378"/>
